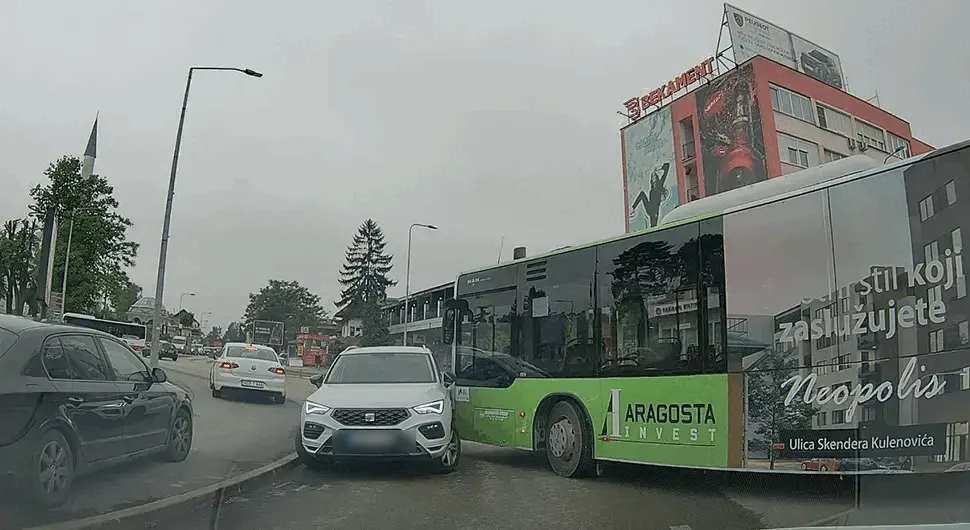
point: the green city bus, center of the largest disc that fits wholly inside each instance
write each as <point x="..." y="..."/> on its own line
<point x="816" y="322"/>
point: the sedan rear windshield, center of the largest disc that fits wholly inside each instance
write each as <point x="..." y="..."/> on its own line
<point x="363" y="368"/>
<point x="245" y="352"/>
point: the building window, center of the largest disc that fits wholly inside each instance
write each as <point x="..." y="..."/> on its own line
<point x="936" y="341"/>
<point x="821" y="419"/>
<point x="926" y="208"/>
<point x="792" y="104"/>
<point x="871" y="135"/>
<point x="931" y="252"/>
<point x="797" y="152"/>
<point x="838" y="416"/>
<point x="831" y="156"/>
<point x="823" y="314"/>
<point x="956" y="443"/>
<point x="895" y="142"/>
<point x="834" y="121"/>
<point x="964" y="328"/>
<point x="844" y="362"/>
<point x="951" y="192"/>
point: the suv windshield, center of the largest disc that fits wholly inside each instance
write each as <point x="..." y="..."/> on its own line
<point x="362" y="368"/>
<point x="246" y="352"/>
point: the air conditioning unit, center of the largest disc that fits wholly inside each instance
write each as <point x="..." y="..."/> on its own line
<point x="851" y="144"/>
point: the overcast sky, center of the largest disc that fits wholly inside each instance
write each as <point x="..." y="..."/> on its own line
<point x="490" y="119"/>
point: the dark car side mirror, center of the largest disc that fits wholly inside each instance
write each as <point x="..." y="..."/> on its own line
<point x="448" y="378"/>
<point x="317" y="380"/>
<point x="159" y="375"/>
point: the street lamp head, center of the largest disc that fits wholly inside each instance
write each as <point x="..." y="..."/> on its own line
<point x="431" y="227"/>
<point x="252" y="73"/>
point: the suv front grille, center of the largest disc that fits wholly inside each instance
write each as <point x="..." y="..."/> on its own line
<point x="370" y="417"/>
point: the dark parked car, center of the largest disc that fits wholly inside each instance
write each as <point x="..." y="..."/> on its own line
<point x="75" y="399"/>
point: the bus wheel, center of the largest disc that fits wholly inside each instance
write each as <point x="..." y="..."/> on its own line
<point x="569" y="447"/>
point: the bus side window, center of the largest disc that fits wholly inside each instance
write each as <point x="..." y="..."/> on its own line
<point x="648" y="298"/>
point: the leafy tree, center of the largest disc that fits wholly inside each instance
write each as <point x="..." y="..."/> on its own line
<point x="287" y="302"/>
<point x="234" y="333"/>
<point x="123" y="295"/>
<point x="214" y="335"/>
<point x="186" y="318"/>
<point x="100" y="250"/>
<point x="766" y="398"/>
<point x="374" y="332"/>
<point x="364" y="276"/>
<point x="19" y="240"/>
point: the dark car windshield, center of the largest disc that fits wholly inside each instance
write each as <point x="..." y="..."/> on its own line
<point x="6" y="339"/>
<point x="249" y="352"/>
<point x="362" y="368"/>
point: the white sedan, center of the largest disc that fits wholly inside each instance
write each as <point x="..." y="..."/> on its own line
<point x="248" y="367"/>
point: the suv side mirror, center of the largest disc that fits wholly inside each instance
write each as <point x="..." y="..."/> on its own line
<point x="317" y="380"/>
<point x="454" y="308"/>
<point x="448" y="378"/>
<point x="159" y="375"/>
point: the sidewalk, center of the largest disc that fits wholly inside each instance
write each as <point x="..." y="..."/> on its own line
<point x="298" y="387"/>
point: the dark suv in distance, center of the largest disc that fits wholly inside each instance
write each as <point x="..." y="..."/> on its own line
<point x="75" y="399"/>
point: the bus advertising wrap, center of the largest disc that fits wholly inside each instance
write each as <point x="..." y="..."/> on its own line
<point x="866" y="366"/>
<point x="649" y="173"/>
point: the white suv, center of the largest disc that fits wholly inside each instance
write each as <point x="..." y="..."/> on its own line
<point x="388" y="402"/>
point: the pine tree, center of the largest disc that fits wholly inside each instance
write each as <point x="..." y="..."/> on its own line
<point x="364" y="276"/>
<point x="374" y="332"/>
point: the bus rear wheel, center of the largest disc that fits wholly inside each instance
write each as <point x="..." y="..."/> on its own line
<point x="569" y="443"/>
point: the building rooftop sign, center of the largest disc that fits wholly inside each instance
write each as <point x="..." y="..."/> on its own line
<point x="638" y="107"/>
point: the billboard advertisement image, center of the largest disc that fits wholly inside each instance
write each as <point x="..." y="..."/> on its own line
<point x="752" y="36"/>
<point x="267" y="332"/>
<point x="650" y="176"/>
<point x="732" y="142"/>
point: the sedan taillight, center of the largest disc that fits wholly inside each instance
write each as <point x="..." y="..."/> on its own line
<point x="277" y="370"/>
<point x="228" y="365"/>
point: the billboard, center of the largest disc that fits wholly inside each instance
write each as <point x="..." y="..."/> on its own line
<point x="649" y="173"/>
<point x="732" y="142"/>
<point x="751" y="36"/>
<point x="268" y="333"/>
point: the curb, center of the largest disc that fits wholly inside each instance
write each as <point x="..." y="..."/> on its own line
<point x="190" y="374"/>
<point x="249" y="478"/>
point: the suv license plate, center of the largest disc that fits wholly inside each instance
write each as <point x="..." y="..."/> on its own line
<point x="253" y="384"/>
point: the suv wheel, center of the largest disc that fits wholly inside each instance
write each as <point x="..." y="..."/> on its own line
<point x="52" y="470"/>
<point x="449" y="460"/>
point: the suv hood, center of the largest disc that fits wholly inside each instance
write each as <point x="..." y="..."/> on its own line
<point x="378" y="395"/>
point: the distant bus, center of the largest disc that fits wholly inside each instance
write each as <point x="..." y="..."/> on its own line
<point x="133" y="334"/>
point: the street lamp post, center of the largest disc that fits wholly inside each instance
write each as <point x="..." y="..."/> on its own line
<point x="407" y="277"/>
<point x="67" y="258"/>
<point x="183" y="298"/>
<point x="167" y="221"/>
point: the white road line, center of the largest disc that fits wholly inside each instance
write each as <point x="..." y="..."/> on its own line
<point x="680" y="527"/>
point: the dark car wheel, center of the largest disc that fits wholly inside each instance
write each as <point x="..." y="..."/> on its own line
<point x="279" y="399"/>
<point x="52" y="470"/>
<point x="449" y="460"/>
<point x="569" y="445"/>
<point x="180" y="437"/>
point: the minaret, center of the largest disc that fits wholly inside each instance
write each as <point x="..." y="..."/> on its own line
<point x="90" y="152"/>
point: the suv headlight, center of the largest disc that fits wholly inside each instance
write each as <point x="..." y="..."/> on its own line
<point x="435" y="407"/>
<point x="309" y="407"/>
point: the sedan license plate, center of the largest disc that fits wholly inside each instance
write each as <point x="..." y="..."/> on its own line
<point x="378" y="441"/>
<point x="252" y="384"/>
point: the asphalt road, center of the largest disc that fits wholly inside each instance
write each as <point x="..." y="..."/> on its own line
<point x="232" y="436"/>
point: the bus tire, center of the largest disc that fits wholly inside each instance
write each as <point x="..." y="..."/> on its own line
<point x="569" y="441"/>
